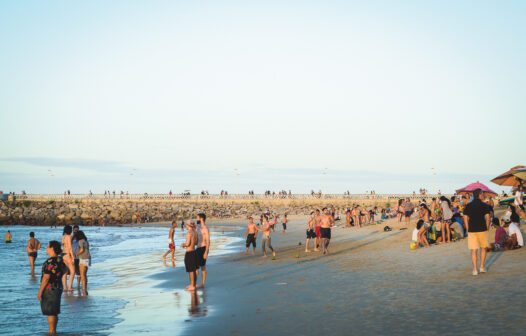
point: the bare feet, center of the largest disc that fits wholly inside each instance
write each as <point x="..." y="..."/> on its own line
<point x="190" y="289"/>
<point x="316" y="250"/>
<point x="200" y="286"/>
<point x="264" y="256"/>
<point x="245" y="253"/>
<point x="273" y="254"/>
<point x="308" y="251"/>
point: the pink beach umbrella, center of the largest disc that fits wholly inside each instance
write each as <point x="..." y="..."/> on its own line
<point x="477" y="185"/>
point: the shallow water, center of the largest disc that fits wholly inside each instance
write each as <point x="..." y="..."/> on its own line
<point x="92" y="315"/>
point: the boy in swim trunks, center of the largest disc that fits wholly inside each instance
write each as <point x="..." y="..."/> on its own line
<point x="8" y="237"/>
<point x="266" y="237"/>
<point x="310" y="231"/>
<point x="251" y="235"/>
<point x="33" y="245"/>
<point x="171" y="245"/>
<point x="190" y="258"/>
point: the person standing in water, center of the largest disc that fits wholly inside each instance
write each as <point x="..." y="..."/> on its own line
<point x="190" y="259"/>
<point x="171" y="246"/>
<point x="33" y="245"/>
<point x="203" y="243"/>
<point x="251" y="235"/>
<point x="68" y="257"/>
<point x="8" y="237"/>
<point x="50" y="292"/>
<point x="266" y="237"/>
<point x="74" y="245"/>
<point x="84" y="259"/>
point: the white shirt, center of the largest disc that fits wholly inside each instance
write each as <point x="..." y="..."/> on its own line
<point x="518" y="198"/>
<point x="513" y="228"/>
<point x="415" y="234"/>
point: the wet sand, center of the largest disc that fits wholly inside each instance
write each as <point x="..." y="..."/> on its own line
<point x="371" y="283"/>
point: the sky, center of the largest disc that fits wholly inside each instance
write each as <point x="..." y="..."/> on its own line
<point x="152" y="96"/>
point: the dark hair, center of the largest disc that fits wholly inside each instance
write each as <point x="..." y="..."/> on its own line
<point x="323" y="209"/>
<point x="76" y="227"/>
<point x="476" y="193"/>
<point x="434" y="199"/>
<point x="31" y="234"/>
<point x="55" y="245"/>
<point x="80" y="235"/>
<point x="202" y="216"/>
<point x="443" y="198"/>
<point x="453" y="198"/>
<point x="67" y="230"/>
<point x="419" y="224"/>
<point x="264" y="216"/>
<point x="312" y="212"/>
<point x="400" y="201"/>
<point x="495" y="222"/>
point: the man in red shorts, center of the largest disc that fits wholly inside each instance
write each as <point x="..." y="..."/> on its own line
<point x="171" y="245"/>
<point x="317" y="230"/>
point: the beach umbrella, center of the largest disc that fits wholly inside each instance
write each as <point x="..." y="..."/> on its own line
<point x="508" y="178"/>
<point x="477" y="185"/>
<point x="520" y="173"/>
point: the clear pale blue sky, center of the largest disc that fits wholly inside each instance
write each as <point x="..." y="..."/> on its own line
<point x="184" y="92"/>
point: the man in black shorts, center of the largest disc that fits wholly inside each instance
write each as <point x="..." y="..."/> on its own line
<point x="326" y="222"/>
<point x="408" y="210"/>
<point x="251" y="235"/>
<point x="311" y="234"/>
<point x="190" y="258"/>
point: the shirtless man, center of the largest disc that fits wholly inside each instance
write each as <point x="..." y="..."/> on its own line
<point x="317" y="228"/>
<point x="33" y="245"/>
<point x="190" y="258"/>
<point x="355" y="213"/>
<point x="251" y="235"/>
<point x="266" y="237"/>
<point x="408" y="210"/>
<point x="310" y="230"/>
<point x="8" y="237"/>
<point x="326" y="222"/>
<point x="203" y="243"/>
<point x="171" y="245"/>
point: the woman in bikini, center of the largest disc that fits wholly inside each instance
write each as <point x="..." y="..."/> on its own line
<point x="67" y="256"/>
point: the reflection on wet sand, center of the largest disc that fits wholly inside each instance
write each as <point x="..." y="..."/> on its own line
<point x="197" y="310"/>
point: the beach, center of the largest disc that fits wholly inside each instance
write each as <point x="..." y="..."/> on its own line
<point x="370" y="283"/>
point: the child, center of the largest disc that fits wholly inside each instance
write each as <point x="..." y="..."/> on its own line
<point x="171" y="245"/>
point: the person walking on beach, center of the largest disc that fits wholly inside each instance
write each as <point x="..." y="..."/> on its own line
<point x="284" y="223"/>
<point x="171" y="246"/>
<point x="477" y="220"/>
<point x="251" y="235"/>
<point x="50" y="292"/>
<point x="33" y="245"/>
<point x="203" y="243"/>
<point x="266" y="237"/>
<point x="326" y="222"/>
<point x="317" y="230"/>
<point x="84" y="259"/>
<point x="190" y="259"/>
<point x="68" y="257"/>
<point x="310" y="232"/>
<point x="8" y="236"/>
<point x="408" y="210"/>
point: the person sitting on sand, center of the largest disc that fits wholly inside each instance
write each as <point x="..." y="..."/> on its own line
<point x="171" y="246"/>
<point x="33" y="245"/>
<point x="515" y="239"/>
<point x="266" y="237"/>
<point x="190" y="257"/>
<point x="501" y="237"/>
<point x="422" y="231"/>
<point x="251" y="235"/>
<point x="8" y="237"/>
<point x="310" y="232"/>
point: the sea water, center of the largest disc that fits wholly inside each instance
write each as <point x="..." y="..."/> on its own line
<point x="20" y="312"/>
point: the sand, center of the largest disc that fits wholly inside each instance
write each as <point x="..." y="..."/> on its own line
<point x="371" y="283"/>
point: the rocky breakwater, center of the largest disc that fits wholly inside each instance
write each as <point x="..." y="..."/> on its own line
<point x="119" y="211"/>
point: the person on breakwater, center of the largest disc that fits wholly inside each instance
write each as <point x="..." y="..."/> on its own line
<point x="171" y="246"/>
<point x="8" y="236"/>
<point x="33" y="245"/>
<point x="50" y="292"/>
<point x="251" y="235"/>
<point x="190" y="258"/>
<point x="203" y="243"/>
<point x="266" y="237"/>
